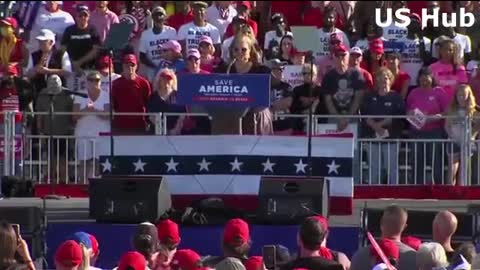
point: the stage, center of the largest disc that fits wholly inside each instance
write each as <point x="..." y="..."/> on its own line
<point x="70" y="215"/>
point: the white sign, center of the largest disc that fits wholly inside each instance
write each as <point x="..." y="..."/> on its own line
<point x="292" y="74"/>
<point x="323" y="129"/>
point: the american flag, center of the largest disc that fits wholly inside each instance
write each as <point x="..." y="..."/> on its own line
<point x="232" y="165"/>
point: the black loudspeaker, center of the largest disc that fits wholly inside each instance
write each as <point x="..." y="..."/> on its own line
<point x="128" y="199"/>
<point x="419" y="224"/>
<point x="32" y="226"/>
<point x="288" y="200"/>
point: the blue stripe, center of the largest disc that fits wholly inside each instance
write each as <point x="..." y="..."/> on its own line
<point x="221" y="165"/>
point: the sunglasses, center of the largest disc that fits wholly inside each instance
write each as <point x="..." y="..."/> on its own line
<point x="93" y="79"/>
<point x="240" y="49"/>
<point x="279" y="68"/>
<point x="306" y="73"/>
<point x="193" y="58"/>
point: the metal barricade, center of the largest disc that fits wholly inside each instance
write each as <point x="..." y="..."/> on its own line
<point x="403" y="161"/>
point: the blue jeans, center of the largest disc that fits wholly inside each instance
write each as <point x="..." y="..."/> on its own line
<point x="383" y="158"/>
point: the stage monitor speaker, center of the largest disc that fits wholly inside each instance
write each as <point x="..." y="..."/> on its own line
<point x="288" y="200"/>
<point x="32" y="225"/>
<point x="128" y="199"/>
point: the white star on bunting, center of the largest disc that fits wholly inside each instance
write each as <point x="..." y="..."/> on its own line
<point x="300" y="166"/>
<point x="139" y="165"/>
<point x="172" y="165"/>
<point x="268" y="166"/>
<point x="107" y="166"/>
<point x="236" y="165"/>
<point x="333" y="167"/>
<point x="204" y="165"/>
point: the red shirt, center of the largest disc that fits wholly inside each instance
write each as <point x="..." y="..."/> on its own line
<point x="313" y="17"/>
<point x="130" y="96"/>
<point x="253" y="24"/>
<point x="179" y="19"/>
<point x="291" y="10"/>
<point x="399" y="81"/>
<point x="367" y="77"/>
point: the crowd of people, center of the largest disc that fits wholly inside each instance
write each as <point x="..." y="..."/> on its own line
<point x="156" y="247"/>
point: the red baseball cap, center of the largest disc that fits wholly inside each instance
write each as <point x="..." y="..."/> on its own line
<point x="294" y="51"/>
<point x="236" y="232"/>
<point x="335" y="38"/>
<point x="340" y="50"/>
<point x="130" y="59"/>
<point x="132" y="259"/>
<point x="247" y="4"/>
<point x="10" y="21"/>
<point x="168" y="231"/>
<point x="254" y="263"/>
<point x="95" y="246"/>
<point x="186" y="259"/>
<point x="104" y="61"/>
<point x="376" y="46"/>
<point x="389" y="248"/>
<point x="69" y="254"/>
<point x="167" y="75"/>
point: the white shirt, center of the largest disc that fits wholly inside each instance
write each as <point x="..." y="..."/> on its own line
<point x="56" y="22"/>
<point x="463" y="42"/>
<point x="272" y="35"/>
<point x="104" y="81"/>
<point x="213" y="17"/>
<point x="394" y="32"/>
<point x="66" y="63"/>
<point x="411" y="61"/>
<point x="226" y="49"/>
<point x="192" y="33"/>
<point x="472" y="67"/>
<point x="325" y="41"/>
<point x="91" y="125"/>
<point x="150" y="44"/>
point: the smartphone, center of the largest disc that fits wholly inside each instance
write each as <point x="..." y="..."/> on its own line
<point x="269" y="256"/>
<point x="16" y="228"/>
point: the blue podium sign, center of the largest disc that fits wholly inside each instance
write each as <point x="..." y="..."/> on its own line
<point x="239" y="90"/>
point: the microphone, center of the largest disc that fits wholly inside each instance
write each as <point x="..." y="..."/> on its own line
<point x="54" y="87"/>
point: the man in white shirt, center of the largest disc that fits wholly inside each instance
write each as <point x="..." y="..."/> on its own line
<point x="51" y="17"/>
<point x="329" y="20"/>
<point x="151" y="42"/>
<point x="189" y="34"/>
<point x="273" y="37"/>
<point x="220" y="14"/>
<point x="463" y="42"/>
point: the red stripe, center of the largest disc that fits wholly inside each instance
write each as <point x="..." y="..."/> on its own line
<point x="338" y="205"/>
<point x="418" y="192"/>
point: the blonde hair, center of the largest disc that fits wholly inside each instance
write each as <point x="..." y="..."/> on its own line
<point x="7" y="45"/>
<point x="85" y="258"/>
<point x="158" y="77"/>
<point x="252" y="43"/>
<point x="456" y="60"/>
<point x="384" y="71"/>
<point x="471" y="102"/>
<point x="431" y="255"/>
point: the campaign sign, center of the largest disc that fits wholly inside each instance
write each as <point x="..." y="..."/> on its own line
<point x="239" y="90"/>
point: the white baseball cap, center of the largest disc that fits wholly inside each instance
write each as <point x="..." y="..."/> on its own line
<point x="46" y="34"/>
<point x="356" y="50"/>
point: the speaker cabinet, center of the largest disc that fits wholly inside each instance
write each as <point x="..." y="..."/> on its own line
<point x="288" y="200"/>
<point x="31" y="223"/>
<point x="128" y="199"/>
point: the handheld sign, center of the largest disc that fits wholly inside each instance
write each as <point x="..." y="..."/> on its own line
<point x="224" y="90"/>
<point x="379" y="251"/>
<point x="306" y="38"/>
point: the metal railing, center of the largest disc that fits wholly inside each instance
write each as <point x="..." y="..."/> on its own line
<point x="403" y="160"/>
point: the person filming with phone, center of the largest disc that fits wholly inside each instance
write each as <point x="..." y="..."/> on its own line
<point x="14" y="254"/>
